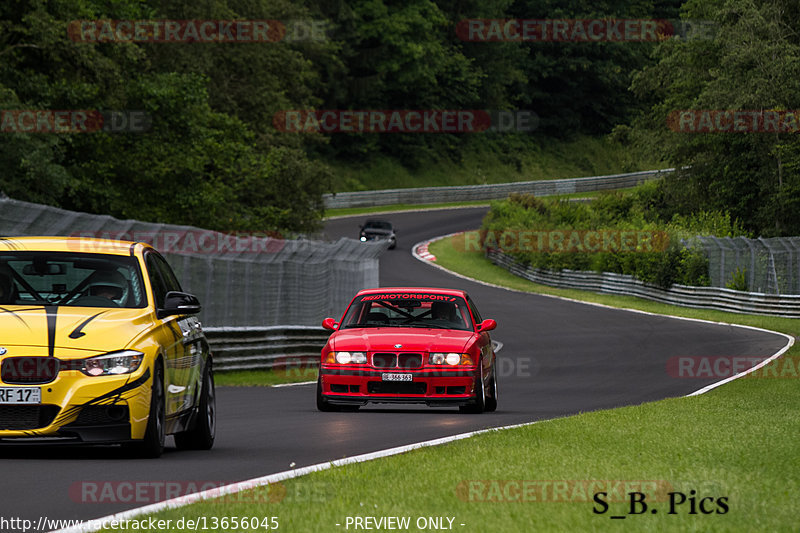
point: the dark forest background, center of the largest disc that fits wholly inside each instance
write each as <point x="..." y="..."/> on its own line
<point x="212" y="157"/>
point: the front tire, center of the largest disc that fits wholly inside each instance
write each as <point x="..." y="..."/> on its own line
<point x="478" y="405"/>
<point x="201" y="436"/>
<point x="322" y="403"/>
<point x="152" y="445"/>
<point x="491" y="400"/>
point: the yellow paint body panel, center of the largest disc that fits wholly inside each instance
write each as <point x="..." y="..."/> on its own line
<point x="71" y="334"/>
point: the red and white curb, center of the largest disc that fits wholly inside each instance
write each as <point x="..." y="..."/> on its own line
<point x="420" y="251"/>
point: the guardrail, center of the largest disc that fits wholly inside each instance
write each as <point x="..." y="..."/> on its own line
<point x="716" y="298"/>
<point x="495" y="191"/>
<point x="291" y="348"/>
<point x="262" y="348"/>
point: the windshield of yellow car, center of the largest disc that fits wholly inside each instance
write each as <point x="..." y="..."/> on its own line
<point x="70" y="279"/>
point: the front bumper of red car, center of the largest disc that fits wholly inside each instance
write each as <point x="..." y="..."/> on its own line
<point x="431" y="386"/>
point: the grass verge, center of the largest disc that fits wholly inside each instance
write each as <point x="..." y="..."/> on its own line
<point x="727" y="444"/>
<point x="494" y="160"/>
<point x="475" y="265"/>
<point x="737" y="442"/>
<point x="379" y="209"/>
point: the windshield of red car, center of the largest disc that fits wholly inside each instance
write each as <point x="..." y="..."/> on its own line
<point x="409" y="310"/>
<point x="70" y="279"/>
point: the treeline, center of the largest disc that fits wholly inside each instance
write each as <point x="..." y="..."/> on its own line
<point x="737" y="148"/>
<point x="212" y="157"/>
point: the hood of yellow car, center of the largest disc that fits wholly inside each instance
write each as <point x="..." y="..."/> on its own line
<point x="70" y="329"/>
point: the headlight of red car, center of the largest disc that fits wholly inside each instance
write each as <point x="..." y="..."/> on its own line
<point x="346" y="358"/>
<point x="452" y="359"/>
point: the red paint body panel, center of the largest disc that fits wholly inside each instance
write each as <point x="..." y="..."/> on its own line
<point x="402" y="345"/>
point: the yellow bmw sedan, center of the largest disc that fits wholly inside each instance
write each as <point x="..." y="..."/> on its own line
<point x="99" y="344"/>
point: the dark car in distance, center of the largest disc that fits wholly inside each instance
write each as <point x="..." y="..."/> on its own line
<point x="374" y="229"/>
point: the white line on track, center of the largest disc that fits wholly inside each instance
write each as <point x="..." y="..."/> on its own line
<point x="176" y="503"/>
<point x="293" y="384"/>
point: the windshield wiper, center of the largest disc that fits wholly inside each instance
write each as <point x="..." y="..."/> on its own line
<point x="424" y="325"/>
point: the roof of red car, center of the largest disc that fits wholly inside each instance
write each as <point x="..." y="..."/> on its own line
<point x="415" y="290"/>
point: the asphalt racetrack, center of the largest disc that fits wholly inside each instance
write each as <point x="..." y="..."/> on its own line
<point x="558" y="358"/>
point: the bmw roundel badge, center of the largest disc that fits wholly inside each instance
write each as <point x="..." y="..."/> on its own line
<point x="3" y="351"/>
<point x="398" y="345"/>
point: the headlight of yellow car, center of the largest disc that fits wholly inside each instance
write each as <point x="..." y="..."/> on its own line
<point x="111" y="364"/>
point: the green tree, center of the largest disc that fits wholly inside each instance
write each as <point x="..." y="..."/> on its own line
<point x="753" y="63"/>
<point x="209" y="158"/>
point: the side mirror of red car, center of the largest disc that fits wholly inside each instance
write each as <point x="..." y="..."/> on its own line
<point x="487" y="325"/>
<point x="330" y="323"/>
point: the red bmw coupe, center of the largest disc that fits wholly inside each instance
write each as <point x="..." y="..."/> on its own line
<point x="409" y="345"/>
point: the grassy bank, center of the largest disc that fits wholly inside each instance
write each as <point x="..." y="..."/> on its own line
<point x="491" y="161"/>
<point x="475" y="265"/>
<point x="736" y="443"/>
<point x="396" y="208"/>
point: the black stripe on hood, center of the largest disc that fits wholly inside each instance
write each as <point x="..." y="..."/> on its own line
<point x="51" y="311"/>
<point x="15" y="315"/>
<point x="77" y="333"/>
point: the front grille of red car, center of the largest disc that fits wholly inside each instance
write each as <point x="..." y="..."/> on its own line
<point x="29" y="370"/>
<point x="409" y="360"/>
<point x="384" y="360"/>
<point x="395" y="360"/>
<point x="20" y="417"/>
<point x="396" y="387"/>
